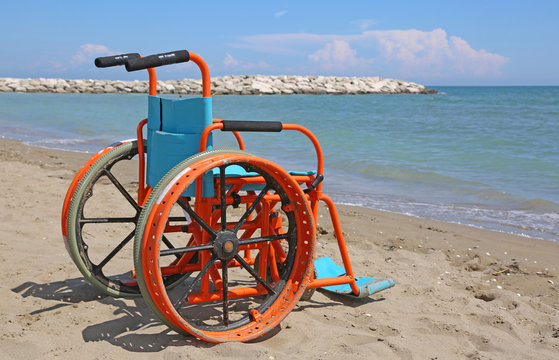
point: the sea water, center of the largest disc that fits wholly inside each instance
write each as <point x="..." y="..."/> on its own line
<point x="482" y="156"/>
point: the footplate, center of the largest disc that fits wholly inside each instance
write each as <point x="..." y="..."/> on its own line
<point x="327" y="268"/>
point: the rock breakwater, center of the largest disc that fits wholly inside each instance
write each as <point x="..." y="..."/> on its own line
<point x="226" y="85"/>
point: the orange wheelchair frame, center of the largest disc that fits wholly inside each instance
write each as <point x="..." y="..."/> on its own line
<point x="224" y="244"/>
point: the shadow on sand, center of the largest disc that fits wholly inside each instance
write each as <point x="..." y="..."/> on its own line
<point x="135" y="328"/>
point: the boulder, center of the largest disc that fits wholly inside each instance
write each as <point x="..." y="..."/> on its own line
<point x="243" y="84"/>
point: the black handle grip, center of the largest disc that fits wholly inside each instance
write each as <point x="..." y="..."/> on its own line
<point x="317" y="180"/>
<point x="156" y="60"/>
<point x="260" y="126"/>
<point x="114" y="60"/>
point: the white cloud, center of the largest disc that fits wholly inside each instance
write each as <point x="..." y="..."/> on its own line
<point x="230" y="61"/>
<point x="401" y="52"/>
<point x="363" y="24"/>
<point x="280" y="13"/>
<point x="412" y="49"/>
<point x="233" y="64"/>
<point x="88" y="51"/>
<point x="477" y="62"/>
<point x="337" y="55"/>
<point x="433" y="53"/>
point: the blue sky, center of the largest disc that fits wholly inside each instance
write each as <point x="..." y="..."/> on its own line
<point x="430" y="42"/>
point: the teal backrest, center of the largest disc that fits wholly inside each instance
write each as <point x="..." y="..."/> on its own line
<point x="174" y="130"/>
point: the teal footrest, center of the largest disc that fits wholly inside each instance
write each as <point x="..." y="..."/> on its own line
<point x="327" y="268"/>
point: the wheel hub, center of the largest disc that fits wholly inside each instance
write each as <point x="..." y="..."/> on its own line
<point x="226" y="245"/>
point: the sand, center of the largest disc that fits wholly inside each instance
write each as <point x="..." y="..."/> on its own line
<point x="461" y="292"/>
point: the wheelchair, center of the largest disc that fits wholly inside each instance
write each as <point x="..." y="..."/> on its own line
<point x="220" y="243"/>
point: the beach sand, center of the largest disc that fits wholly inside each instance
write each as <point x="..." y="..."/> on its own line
<point x="461" y="292"/>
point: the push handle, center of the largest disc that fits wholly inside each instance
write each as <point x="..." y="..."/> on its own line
<point x="114" y="60"/>
<point x="317" y="180"/>
<point x="260" y="126"/>
<point x="151" y="61"/>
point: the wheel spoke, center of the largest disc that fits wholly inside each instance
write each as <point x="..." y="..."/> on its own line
<point x="196" y="280"/>
<point x="108" y="220"/>
<point x="177" y="218"/>
<point x="254" y="274"/>
<point x="184" y="250"/>
<point x="196" y="217"/>
<point x="229" y="295"/>
<point x="122" y="190"/>
<point x="169" y="245"/>
<point x="222" y="196"/>
<point x="251" y="208"/>
<point x="224" y="277"/>
<point x="115" y="251"/>
<point x="264" y="239"/>
<point x="106" y="266"/>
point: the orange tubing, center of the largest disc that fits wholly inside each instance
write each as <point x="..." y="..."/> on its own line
<point x="239" y="140"/>
<point x="152" y="82"/>
<point x="320" y="156"/>
<point x="141" y="160"/>
<point x="236" y="133"/>
<point x="314" y="140"/>
<point x="206" y="82"/>
<point x="206" y="133"/>
<point x="341" y="242"/>
<point x="316" y="283"/>
<point x="331" y="207"/>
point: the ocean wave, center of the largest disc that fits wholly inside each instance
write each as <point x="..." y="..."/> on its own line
<point x="410" y="175"/>
<point x="430" y="156"/>
<point x="542" y="204"/>
<point x="538" y="224"/>
<point x="71" y="144"/>
<point x="61" y="141"/>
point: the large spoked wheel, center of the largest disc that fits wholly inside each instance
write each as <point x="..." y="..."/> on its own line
<point x="101" y="220"/>
<point x="75" y="182"/>
<point x="259" y="212"/>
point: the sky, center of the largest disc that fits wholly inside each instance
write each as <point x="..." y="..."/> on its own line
<point x="490" y="42"/>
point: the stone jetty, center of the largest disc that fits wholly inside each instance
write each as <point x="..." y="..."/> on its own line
<point x="226" y="85"/>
